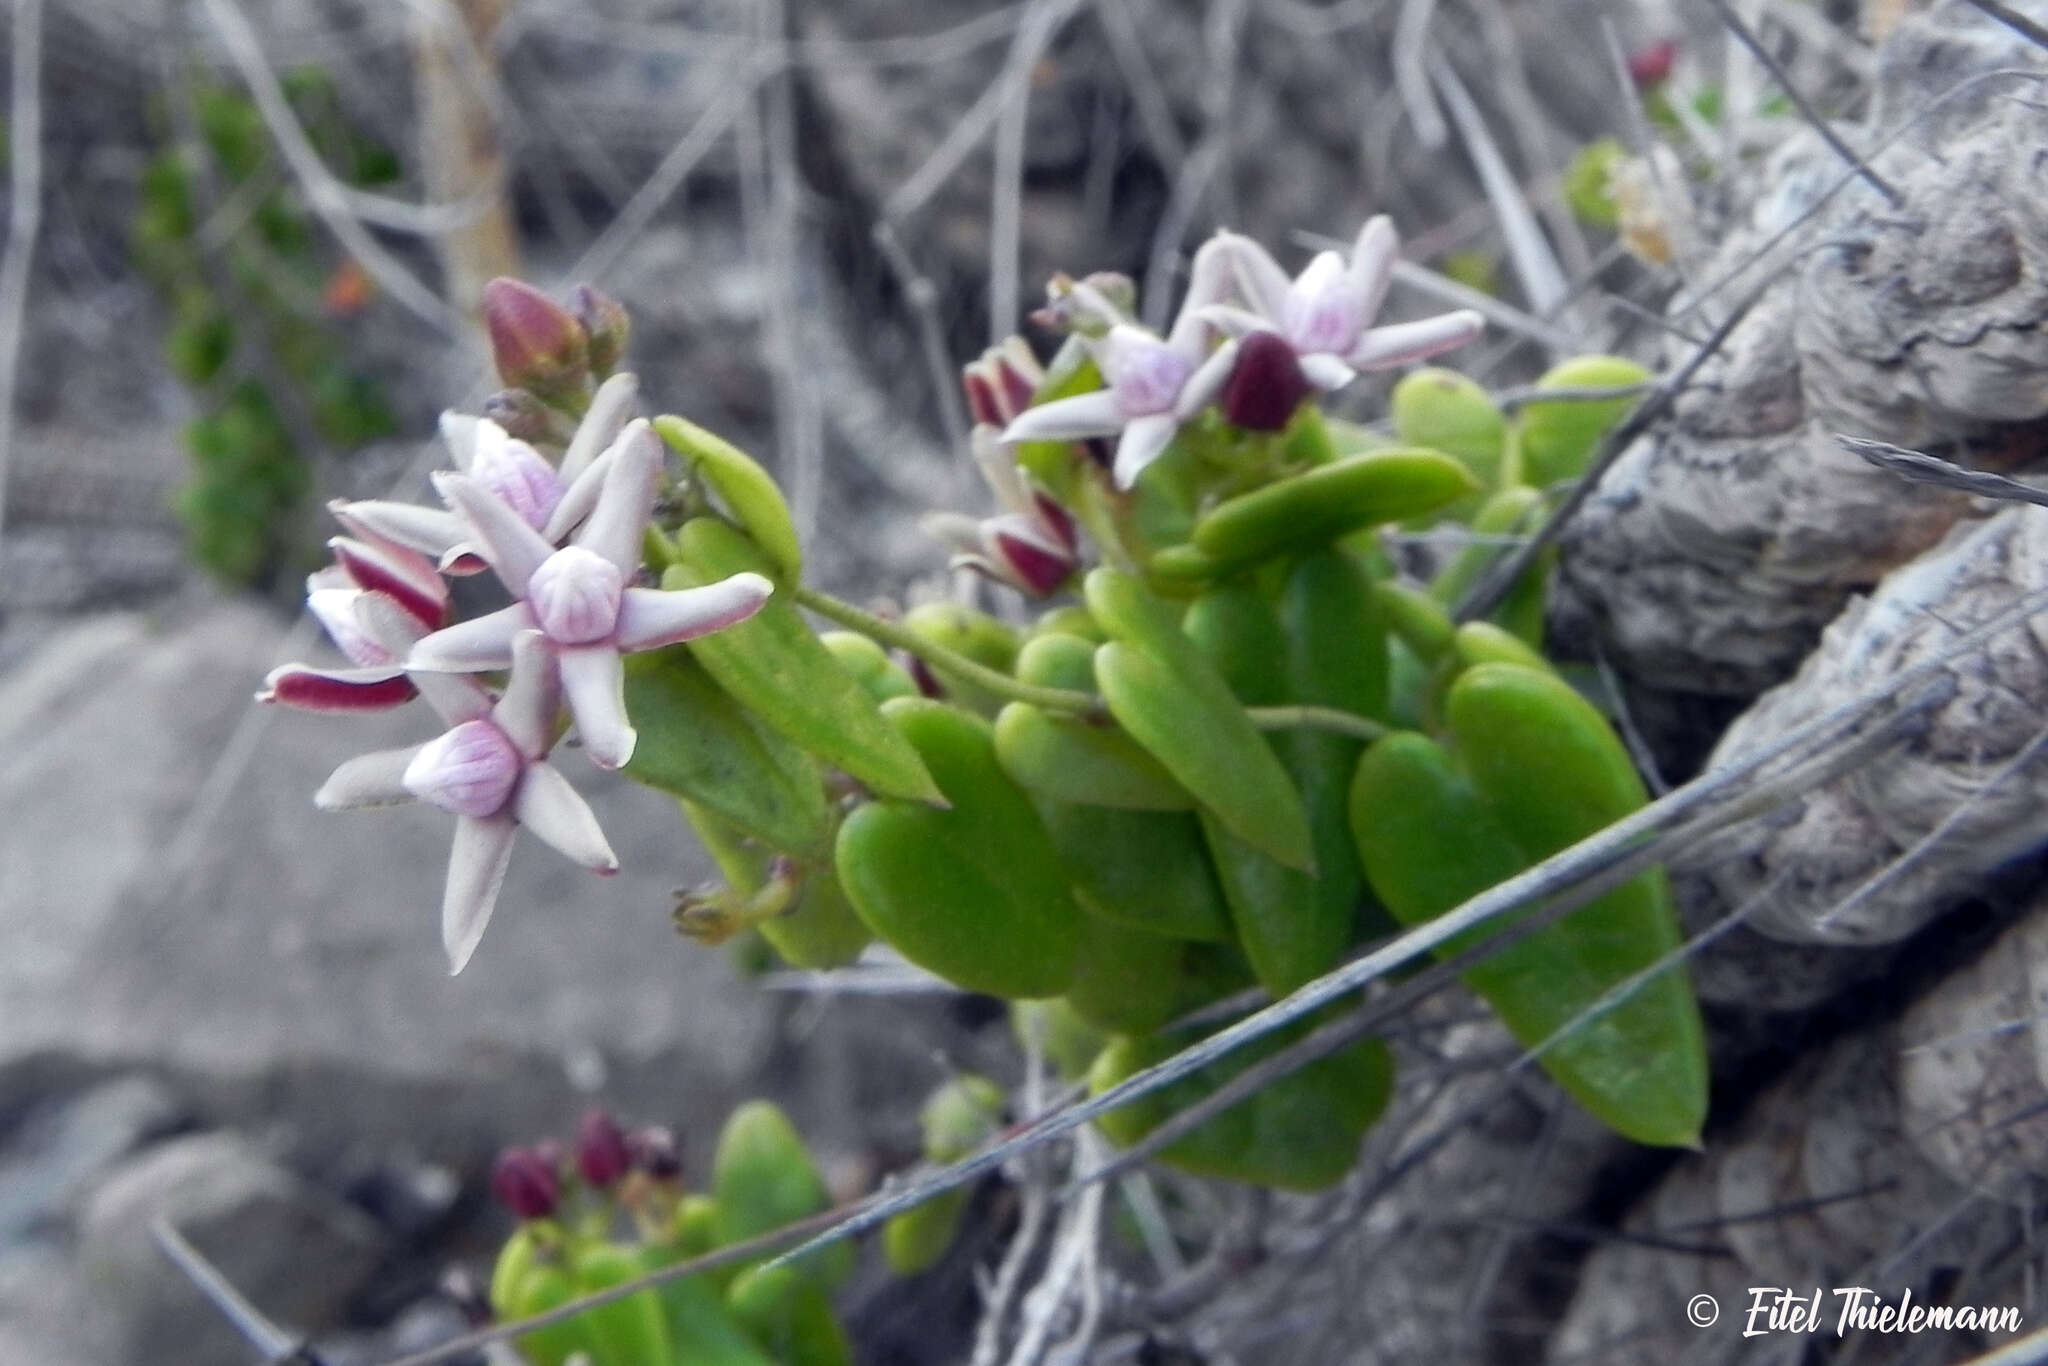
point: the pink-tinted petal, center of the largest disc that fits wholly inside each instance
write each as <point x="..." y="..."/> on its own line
<point x="574" y="596"/>
<point x="476" y="871"/>
<point x="579" y="498"/>
<point x="408" y="577"/>
<point x="337" y="690"/>
<point x="368" y="780"/>
<point x="610" y="408"/>
<point x="1259" y="277"/>
<point x="1033" y="563"/>
<point x="384" y="625"/>
<point x="515" y="472"/>
<point x="557" y="813"/>
<point x="1206" y="384"/>
<point x="627" y="500"/>
<point x="1056" y="521"/>
<point x="1143" y="442"/>
<point x="468" y="771"/>
<point x="1236" y="321"/>
<point x="533" y="696"/>
<point x="650" y="617"/>
<point x="335" y="610"/>
<point x="1326" y="372"/>
<point x="1372" y="262"/>
<point x="1068" y="419"/>
<point x="430" y="531"/>
<point x="1325" y="311"/>
<point x="462" y="560"/>
<point x="474" y="646"/>
<point x="1404" y="342"/>
<point x="1144" y="373"/>
<point x="594" y="680"/>
<point x="514" y="549"/>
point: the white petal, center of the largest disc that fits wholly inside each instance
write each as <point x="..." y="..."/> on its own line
<point x="1143" y="441"/>
<point x="1259" y="277"/>
<point x="1236" y="321"/>
<point x="1209" y="280"/>
<point x="1325" y="371"/>
<point x="954" y="530"/>
<point x="1068" y="419"/>
<point x="1372" y="262"/>
<point x="609" y="409"/>
<point x="476" y="870"/>
<point x="627" y="499"/>
<point x="514" y="549"/>
<point x="579" y="498"/>
<point x="430" y="531"/>
<point x="557" y="813"/>
<point x="998" y="465"/>
<point x="367" y="780"/>
<point x="1206" y="383"/>
<point x="1404" y="342"/>
<point x="651" y="617"/>
<point x="594" y="679"/>
<point x="459" y="431"/>
<point x="455" y="698"/>
<point x="474" y="646"/>
<point x="533" y="696"/>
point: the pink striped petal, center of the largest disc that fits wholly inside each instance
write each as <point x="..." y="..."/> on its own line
<point x="429" y="531"/>
<point x="557" y="813"/>
<point x="533" y="696"/>
<point x="335" y="610"/>
<point x="1034" y="565"/>
<point x="474" y="646"/>
<point x="627" y="499"/>
<point x="603" y="420"/>
<point x="594" y="681"/>
<point x="650" y="617"/>
<point x="368" y="780"/>
<point x="476" y="871"/>
<point x="513" y="548"/>
<point x="408" y="577"/>
<point x="1404" y="342"/>
<point x="337" y="690"/>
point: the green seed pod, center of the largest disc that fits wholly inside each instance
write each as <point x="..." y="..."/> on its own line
<point x="973" y="893"/>
<point x="1055" y="659"/>
<point x="1069" y="1042"/>
<point x="965" y="631"/>
<point x="1171" y="700"/>
<point x="543" y="1287"/>
<point x="1068" y="619"/>
<point x="1559" y="438"/>
<point x="868" y="662"/>
<point x="1328" y="501"/>
<point x="1146" y="870"/>
<point x="917" y="1239"/>
<point x="1183" y="568"/>
<point x="1126" y="981"/>
<point x="515" y="1259"/>
<point x="1446" y="411"/>
<point x="762" y="1177"/>
<point x="772" y="664"/>
<point x="701" y="1330"/>
<point x="625" y="1332"/>
<point x="700" y="744"/>
<point x="1293" y="925"/>
<point x="1073" y="761"/>
<point x="790" y="1316"/>
<point x="749" y="492"/>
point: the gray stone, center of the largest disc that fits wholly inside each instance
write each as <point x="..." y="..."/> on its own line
<point x="51" y="1159"/>
<point x="297" y="1253"/>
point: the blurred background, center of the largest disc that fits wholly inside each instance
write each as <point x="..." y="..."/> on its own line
<point x="246" y="239"/>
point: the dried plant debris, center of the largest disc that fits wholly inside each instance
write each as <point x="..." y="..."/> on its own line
<point x="1718" y="546"/>
<point x="1905" y="1159"/>
<point x="1884" y="849"/>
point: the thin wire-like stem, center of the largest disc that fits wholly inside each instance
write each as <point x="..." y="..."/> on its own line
<point x="24" y="214"/>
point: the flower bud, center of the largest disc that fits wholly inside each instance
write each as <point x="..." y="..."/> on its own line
<point x="515" y="472"/>
<point x="524" y="1182"/>
<point x="1002" y="383"/>
<point x="1089" y="306"/>
<point x="469" y="770"/>
<point x="535" y="343"/>
<point x="602" y="1155"/>
<point x="1265" y="386"/>
<point x="1651" y="65"/>
<point x="657" y="1152"/>
<point x="606" y="327"/>
<point x="575" y="596"/>
<point x="521" y="415"/>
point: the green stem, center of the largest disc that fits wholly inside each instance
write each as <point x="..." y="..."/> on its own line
<point x="1316" y="718"/>
<point x="1084" y="704"/>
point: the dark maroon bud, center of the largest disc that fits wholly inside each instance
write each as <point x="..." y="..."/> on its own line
<point x="1266" y="385"/>
<point x="602" y="1156"/>
<point x="982" y="404"/>
<point x="922" y="675"/>
<point x="521" y="414"/>
<point x="1651" y="65"/>
<point x="524" y="1182"/>
<point x="1057" y="520"/>
<point x="1032" y="567"/>
<point x="657" y="1152"/>
<point x="606" y="327"/>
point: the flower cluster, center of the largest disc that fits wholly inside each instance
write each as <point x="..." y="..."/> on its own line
<point x="564" y="539"/>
